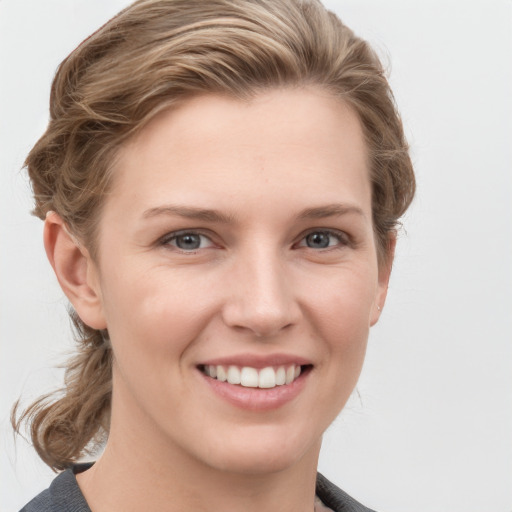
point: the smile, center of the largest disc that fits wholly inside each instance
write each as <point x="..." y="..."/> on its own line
<point x="257" y="383"/>
<point x="249" y="377"/>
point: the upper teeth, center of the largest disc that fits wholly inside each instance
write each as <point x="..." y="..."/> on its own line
<point x="249" y="377"/>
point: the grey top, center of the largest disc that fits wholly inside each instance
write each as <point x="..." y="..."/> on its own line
<point x="64" y="495"/>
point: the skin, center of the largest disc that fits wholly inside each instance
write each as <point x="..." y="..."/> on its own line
<point x="254" y="286"/>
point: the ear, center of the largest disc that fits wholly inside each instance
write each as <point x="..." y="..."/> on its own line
<point x="385" y="266"/>
<point x="76" y="272"/>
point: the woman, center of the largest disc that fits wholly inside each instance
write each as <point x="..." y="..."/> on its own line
<point x="221" y="184"/>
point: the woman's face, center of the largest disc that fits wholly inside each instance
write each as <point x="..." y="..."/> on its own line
<point x="238" y="240"/>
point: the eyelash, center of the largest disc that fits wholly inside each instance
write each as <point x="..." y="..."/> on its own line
<point x="172" y="237"/>
<point x="342" y="238"/>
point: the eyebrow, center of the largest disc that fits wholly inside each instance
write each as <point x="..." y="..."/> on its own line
<point x="330" y="210"/>
<point x="208" y="215"/>
<point x="190" y="212"/>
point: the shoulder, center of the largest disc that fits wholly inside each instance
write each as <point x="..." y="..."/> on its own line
<point x="336" y="499"/>
<point x="41" y="503"/>
<point x="63" y="495"/>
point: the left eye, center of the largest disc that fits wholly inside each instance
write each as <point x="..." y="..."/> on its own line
<point x="188" y="241"/>
<point x="321" y="240"/>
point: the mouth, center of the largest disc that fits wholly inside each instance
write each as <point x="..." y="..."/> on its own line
<point x="268" y="377"/>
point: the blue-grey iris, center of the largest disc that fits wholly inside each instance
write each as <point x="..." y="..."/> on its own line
<point x="188" y="241"/>
<point x="318" y="240"/>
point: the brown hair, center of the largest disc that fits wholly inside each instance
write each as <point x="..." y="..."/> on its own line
<point x="150" y="56"/>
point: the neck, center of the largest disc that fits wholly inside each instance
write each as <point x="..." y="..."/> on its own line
<point x="146" y="472"/>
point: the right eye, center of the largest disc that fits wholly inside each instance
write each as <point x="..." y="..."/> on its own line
<point x="187" y="241"/>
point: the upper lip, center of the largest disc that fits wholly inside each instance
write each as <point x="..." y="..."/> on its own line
<point x="257" y="361"/>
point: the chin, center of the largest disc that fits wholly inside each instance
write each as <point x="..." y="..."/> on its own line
<point x="262" y="454"/>
<point x="256" y="463"/>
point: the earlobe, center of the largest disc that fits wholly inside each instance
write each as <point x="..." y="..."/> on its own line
<point x="385" y="267"/>
<point x="75" y="271"/>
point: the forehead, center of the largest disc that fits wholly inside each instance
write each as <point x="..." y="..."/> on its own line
<point x="295" y="142"/>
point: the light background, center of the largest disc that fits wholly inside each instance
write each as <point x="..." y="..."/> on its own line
<point x="431" y="427"/>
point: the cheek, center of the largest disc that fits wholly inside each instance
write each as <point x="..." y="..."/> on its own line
<point x="340" y="304"/>
<point x="152" y="311"/>
<point x="342" y="323"/>
<point x="340" y="314"/>
<point x="152" y="327"/>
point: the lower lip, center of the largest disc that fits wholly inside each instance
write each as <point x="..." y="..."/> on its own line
<point x="257" y="399"/>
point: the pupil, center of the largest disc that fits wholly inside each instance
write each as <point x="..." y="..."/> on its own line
<point x="318" y="240"/>
<point x="189" y="241"/>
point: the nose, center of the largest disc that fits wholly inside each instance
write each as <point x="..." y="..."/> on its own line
<point x="261" y="298"/>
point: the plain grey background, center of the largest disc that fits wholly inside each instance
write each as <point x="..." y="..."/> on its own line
<point x="430" y="426"/>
